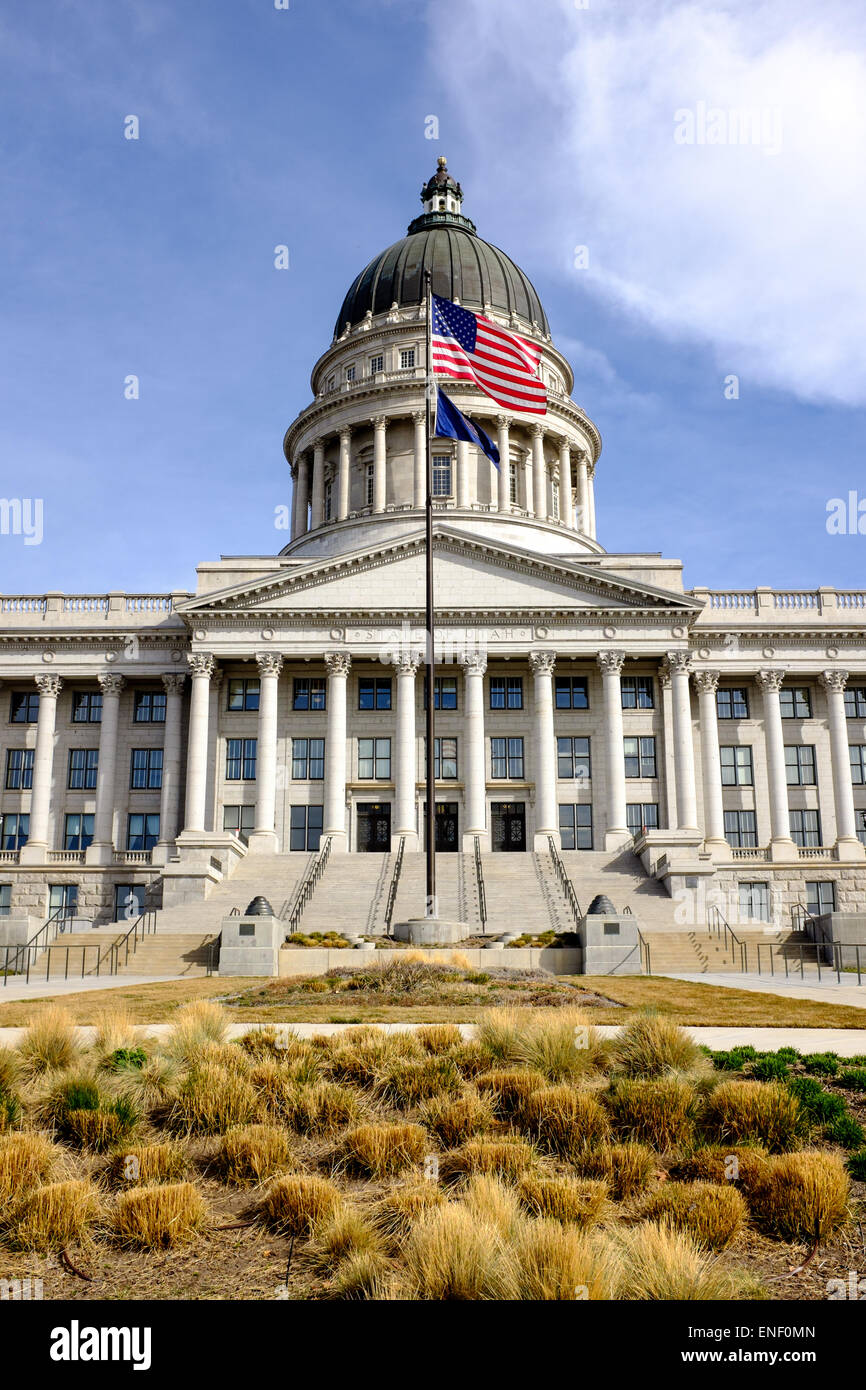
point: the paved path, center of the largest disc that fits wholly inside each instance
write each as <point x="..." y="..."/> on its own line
<point x="827" y="992"/>
<point x="42" y="989"/>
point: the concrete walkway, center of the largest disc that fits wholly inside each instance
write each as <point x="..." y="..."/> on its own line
<point x="49" y="989"/>
<point x="827" y="992"/>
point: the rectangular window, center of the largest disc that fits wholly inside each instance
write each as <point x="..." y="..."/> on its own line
<point x="374" y="759"/>
<point x="407" y="358"/>
<point x="241" y="759"/>
<point x="142" y="832"/>
<point x="571" y="692"/>
<point x="506" y="759"/>
<point x="512" y="481"/>
<point x="821" y="897"/>
<point x="641" y="816"/>
<point x="575" y="827"/>
<point x="129" y="901"/>
<point x="733" y="703"/>
<point x="244" y="693"/>
<point x="754" y="902"/>
<point x="445" y="759"/>
<point x="5" y="899"/>
<point x="572" y="759"/>
<point x="740" y="829"/>
<point x="554" y="498"/>
<point x="795" y="702"/>
<point x="63" y="899"/>
<point x="736" y="766"/>
<point x="24" y="707"/>
<point x="640" y="757"/>
<point x="377" y="364"/>
<point x="637" y="692"/>
<point x="86" y="706"/>
<point x="368" y="486"/>
<point x="374" y="692"/>
<point x="800" y="765"/>
<point x="149" y="706"/>
<point x="350" y="373"/>
<point x="308" y="692"/>
<point x="860" y="820"/>
<point x="444" y="692"/>
<point x="19" y="769"/>
<point x="308" y="759"/>
<point x="83" y="769"/>
<point x="240" y="821"/>
<point x="305" y="827"/>
<point x="14" y="829"/>
<point x="329" y="499"/>
<point x="855" y="702"/>
<point x="441" y="475"/>
<point x="145" y="770"/>
<point x="805" y="829"/>
<point x="77" y="831"/>
<point x="506" y="692"/>
<point x="856" y="752"/>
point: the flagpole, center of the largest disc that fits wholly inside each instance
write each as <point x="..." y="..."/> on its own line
<point x="431" y="617"/>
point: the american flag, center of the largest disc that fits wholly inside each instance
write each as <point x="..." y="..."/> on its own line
<point x="468" y="347"/>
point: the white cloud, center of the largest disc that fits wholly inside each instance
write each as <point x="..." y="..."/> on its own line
<point x="753" y="250"/>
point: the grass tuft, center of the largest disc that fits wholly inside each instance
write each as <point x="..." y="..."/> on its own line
<point x="295" y="1204"/>
<point x="659" y="1112"/>
<point x="159" y="1217"/>
<point x="758" y="1112"/>
<point x="801" y="1196"/>
<point x="382" y="1150"/>
<point x="253" y="1154"/>
<point x="711" y="1213"/>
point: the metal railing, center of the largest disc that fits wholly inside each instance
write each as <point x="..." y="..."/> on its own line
<point x="717" y="925"/>
<point x="479" y="882"/>
<point x="18" y="959"/>
<point x="393" y="886"/>
<point x="645" y="956"/>
<point x="127" y="945"/>
<point x="108" y="958"/>
<point x="213" y="954"/>
<point x="288" y="903"/>
<point x="834" y="966"/>
<point x="308" y="886"/>
<point x="565" y="881"/>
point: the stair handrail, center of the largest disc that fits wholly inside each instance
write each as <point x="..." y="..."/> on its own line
<point x="143" y="926"/>
<point x="393" y="885"/>
<point x="479" y="881"/>
<point x="28" y="949"/>
<point x="565" y="881"/>
<point x="645" y="957"/>
<point x="289" y="903"/>
<point x="718" y="925"/>
<point x="308" y="886"/>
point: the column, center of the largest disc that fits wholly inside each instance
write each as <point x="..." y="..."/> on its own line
<point x="296" y="525"/>
<point x="169" y="801"/>
<point x="546" y="815"/>
<point x="36" y="849"/>
<point x="847" y="844"/>
<point x="334" y="816"/>
<point x="668" y="750"/>
<point x="610" y="664"/>
<point x="711" y="763"/>
<point x="539" y="473"/>
<point x="461" y="492"/>
<point x="591" y="504"/>
<point x="202" y="668"/>
<point x="684" y="746"/>
<point x="473" y="752"/>
<point x="405" y="778"/>
<point x="345" y="473"/>
<point x="527" y="481"/>
<point x="781" y="844"/>
<point x="264" y="838"/>
<point x="302" y="486"/>
<point x="101" y="851"/>
<point x="380" y="489"/>
<point x="318" y="506"/>
<point x="566" y="501"/>
<point x="503" y="443"/>
<point x="419" y="419"/>
<point x="584" y="518"/>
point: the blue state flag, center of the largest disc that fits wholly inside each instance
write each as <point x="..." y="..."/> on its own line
<point x="451" y="424"/>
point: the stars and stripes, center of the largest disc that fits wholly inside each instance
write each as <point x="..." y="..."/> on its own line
<point x="469" y="347"/>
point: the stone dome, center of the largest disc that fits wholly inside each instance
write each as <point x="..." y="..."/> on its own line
<point x="462" y="266"/>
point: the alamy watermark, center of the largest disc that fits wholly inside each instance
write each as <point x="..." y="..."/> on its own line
<point x="759" y="126"/>
<point x="22" y="516"/>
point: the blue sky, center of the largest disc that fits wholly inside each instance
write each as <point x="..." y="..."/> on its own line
<point x="259" y="127"/>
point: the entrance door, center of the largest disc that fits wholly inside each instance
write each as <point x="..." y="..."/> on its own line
<point x="446" y="827"/>
<point x="508" y="826"/>
<point x="374" y="827"/>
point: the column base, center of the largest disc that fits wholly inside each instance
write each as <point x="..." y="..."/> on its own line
<point x="99" y="853"/>
<point x="34" y="852"/>
<point x="467" y="843"/>
<point x="412" y="838"/>
<point x="339" y="841"/>
<point x="263" y="842"/>
<point x="849" y="849"/>
<point x="162" y="852"/>
<point x="541" y="838"/>
<point x="617" y="838"/>
<point x="720" y="850"/>
<point x="783" y="850"/>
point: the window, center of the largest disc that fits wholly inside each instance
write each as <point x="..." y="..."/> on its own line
<point x="305" y="827"/>
<point x="149" y="707"/>
<point x="244" y="693"/>
<point x="805" y="829"/>
<point x="506" y="692"/>
<point x="308" y="693"/>
<point x="5" y="899"/>
<point x="754" y="901"/>
<point x="374" y="692"/>
<point x="637" y="692"/>
<point x="444" y="692"/>
<point x="329" y="499"/>
<point x="572" y="757"/>
<point x="19" y="769"/>
<point x="308" y="759"/>
<point x="575" y="827"/>
<point x="145" y="770"/>
<point x="733" y="703"/>
<point x="350" y="373"/>
<point x="14" y="829"/>
<point x="821" y="897"/>
<point x="407" y="358"/>
<point x="368" y="486"/>
<point x="24" y="708"/>
<point x="77" y="831"/>
<point x="63" y="899"/>
<point x="795" y="702"/>
<point x="640" y="757"/>
<point x="331" y="383"/>
<point x="240" y="821"/>
<point x="241" y="759"/>
<point x="855" y="702"/>
<point x="129" y="901"/>
<point x="445" y="759"/>
<point x="86" y="706"/>
<point x="506" y="758"/>
<point x="572" y="692"/>
<point x="554" y="498"/>
<point x="512" y="480"/>
<point x="441" y="475"/>
<point x="856" y="752"/>
<point x="860" y="817"/>
<point x="83" y="769"/>
<point x="641" y="816"/>
<point x="736" y="767"/>
<point x="142" y="832"/>
<point x="800" y="765"/>
<point x="741" y="830"/>
<point x="377" y="364"/>
<point x="374" y="759"/>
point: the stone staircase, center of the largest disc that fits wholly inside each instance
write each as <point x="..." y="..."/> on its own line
<point x="456" y="889"/>
<point x="524" y="895"/>
<point x="352" y="895"/>
<point x="274" y="876"/>
<point x="78" y="955"/>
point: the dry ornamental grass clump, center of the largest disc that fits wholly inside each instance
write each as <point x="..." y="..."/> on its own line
<point x="455" y="1120"/>
<point x="380" y="1151"/>
<point x="664" y="1265"/>
<point x="438" y="1037"/>
<point x="53" y="1217"/>
<point x="213" y="1099"/>
<point x="737" y="1163"/>
<point x="758" y="1112"/>
<point x="711" y="1213"/>
<point x="347" y="1231"/>
<point x="160" y="1217"/>
<point x="364" y="1274"/>
<point x="297" y="1203"/>
<point x="197" y="1024"/>
<point x="450" y="1255"/>
<point x="560" y="1263"/>
<point x="146" y="1164"/>
<point x="395" y="1214"/>
<point x="627" y="1168"/>
<point x="50" y="1043"/>
<point x="565" y="1121"/>
<point x="561" y="1045"/>
<point x="576" y="1201"/>
<point x="801" y="1196"/>
<point x="322" y="1108"/>
<point x="252" y="1154"/>
<point x="660" y="1112"/>
<point x="507" y="1160"/>
<point x="510" y="1090"/>
<point x="652" y="1046"/>
<point x="26" y="1160"/>
<point x="408" y="1081"/>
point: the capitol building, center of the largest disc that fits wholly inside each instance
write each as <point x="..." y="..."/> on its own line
<point x="592" y="714"/>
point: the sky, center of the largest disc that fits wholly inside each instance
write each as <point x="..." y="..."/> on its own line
<point x="683" y="183"/>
